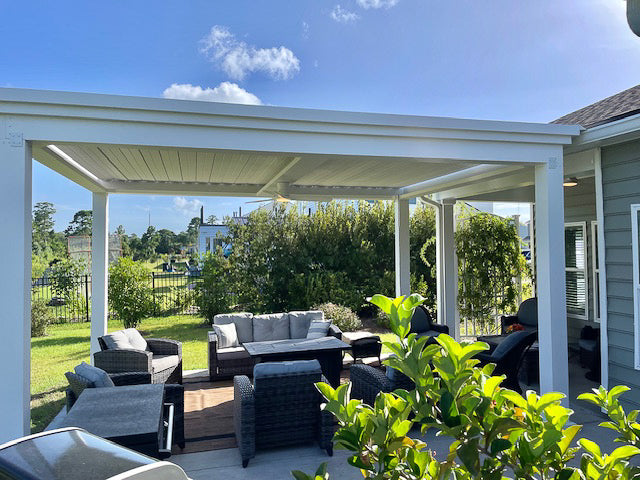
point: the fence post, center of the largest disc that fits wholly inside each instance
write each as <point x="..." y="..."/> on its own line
<point x="86" y="297"/>
<point x="153" y="290"/>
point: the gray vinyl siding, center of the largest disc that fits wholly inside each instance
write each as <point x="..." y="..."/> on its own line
<point x="580" y="206"/>
<point x="620" y="188"/>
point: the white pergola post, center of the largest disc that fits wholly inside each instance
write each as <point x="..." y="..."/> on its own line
<point x="447" y="267"/>
<point x="15" y="294"/>
<point x="550" y="276"/>
<point x="99" y="268"/>
<point x="403" y="275"/>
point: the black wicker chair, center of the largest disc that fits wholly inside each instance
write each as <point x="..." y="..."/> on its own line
<point x="422" y="324"/>
<point x="162" y="359"/>
<point x="508" y="357"/>
<point x="368" y="381"/>
<point x="527" y="316"/>
<point x="281" y="407"/>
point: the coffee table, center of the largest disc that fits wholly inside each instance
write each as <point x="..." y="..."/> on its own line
<point x="131" y="416"/>
<point x="327" y="350"/>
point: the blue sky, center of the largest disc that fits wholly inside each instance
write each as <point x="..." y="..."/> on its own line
<point x="495" y="59"/>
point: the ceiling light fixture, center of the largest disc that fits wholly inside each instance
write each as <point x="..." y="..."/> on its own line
<point x="570" y="182"/>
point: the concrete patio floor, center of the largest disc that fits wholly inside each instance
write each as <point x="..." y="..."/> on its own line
<point x="277" y="463"/>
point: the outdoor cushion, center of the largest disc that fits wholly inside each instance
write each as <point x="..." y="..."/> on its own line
<point x="164" y="362"/>
<point x="117" y="340"/>
<point x="508" y="343"/>
<point x="319" y="328"/>
<point x="528" y="313"/>
<point x="272" y="326"/>
<point x="227" y="335"/>
<point x="77" y="383"/>
<point x="135" y="339"/>
<point x="270" y="369"/>
<point x="428" y="333"/>
<point x="232" y="353"/>
<point x="299" y="322"/>
<point x="94" y="375"/>
<point x="420" y="321"/>
<point x="243" y="322"/>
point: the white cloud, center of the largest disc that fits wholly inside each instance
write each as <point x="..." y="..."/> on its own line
<point x="188" y="208"/>
<point x="377" y="3"/>
<point x="342" y="15"/>
<point x="237" y="58"/>
<point x="226" y="92"/>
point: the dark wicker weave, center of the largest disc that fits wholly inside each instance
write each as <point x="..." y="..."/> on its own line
<point x="282" y="410"/>
<point x="121" y="361"/>
<point x="367" y="382"/>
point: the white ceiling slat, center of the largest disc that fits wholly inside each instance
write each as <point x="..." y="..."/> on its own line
<point x="171" y="164"/>
<point x="188" y="163"/>
<point x="204" y="164"/>
<point x="154" y="162"/>
<point x="139" y="164"/>
<point x="86" y="157"/>
<point x="118" y="159"/>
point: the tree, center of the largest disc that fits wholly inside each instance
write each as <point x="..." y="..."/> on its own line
<point x="212" y="220"/>
<point x="149" y="242"/>
<point x="130" y="295"/>
<point x="81" y="223"/>
<point x="43" y="224"/>
<point x="192" y="230"/>
<point x="167" y="242"/>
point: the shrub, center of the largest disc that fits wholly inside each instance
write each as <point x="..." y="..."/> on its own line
<point x="343" y="317"/>
<point x="41" y="317"/>
<point x="213" y="291"/>
<point x="130" y="295"/>
<point x="64" y="277"/>
<point x="497" y="433"/>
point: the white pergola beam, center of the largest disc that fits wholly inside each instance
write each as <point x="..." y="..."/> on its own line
<point x="550" y="276"/>
<point x="403" y="274"/>
<point x="99" y="269"/>
<point x="265" y="188"/>
<point x="15" y="294"/>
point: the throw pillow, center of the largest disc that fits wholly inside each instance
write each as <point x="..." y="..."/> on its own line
<point x="94" y="375"/>
<point x="319" y="328"/>
<point x="227" y="335"/>
<point x="243" y="322"/>
<point x="135" y="339"/>
<point x="117" y="341"/>
<point x="299" y="322"/>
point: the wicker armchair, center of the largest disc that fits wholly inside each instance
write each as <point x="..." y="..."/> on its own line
<point x="367" y="382"/>
<point x="163" y="360"/>
<point x="281" y="407"/>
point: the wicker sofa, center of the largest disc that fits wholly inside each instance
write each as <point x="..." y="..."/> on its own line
<point x="127" y="351"/>
<point x="281" y="407"/>
<point x="225" y="362"/>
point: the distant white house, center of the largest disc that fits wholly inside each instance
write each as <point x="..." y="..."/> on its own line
<point x="211" y="236"/>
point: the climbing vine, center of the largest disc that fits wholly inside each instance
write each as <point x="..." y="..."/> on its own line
<point x="489" y="262"/>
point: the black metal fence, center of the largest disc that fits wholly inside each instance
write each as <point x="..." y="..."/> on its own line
<point x="70" y="300"/>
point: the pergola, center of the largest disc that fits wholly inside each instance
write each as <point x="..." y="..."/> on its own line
<point x="115" y="144"/>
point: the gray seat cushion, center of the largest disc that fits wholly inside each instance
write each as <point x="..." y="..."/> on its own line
<point x="232" y="353"/>
<point x="227" y="335"/>
<point x="271" y="369"/>
<point x="135" y="339"/>
<point x="95" y="376"/>
<point x="164" y="362"/>
<point x="319" y="328"/>
<point x="299" y="322"/>
<point x="272" y="326"/>
<point x="243" y="322"/>
<point x="117" y="340"/>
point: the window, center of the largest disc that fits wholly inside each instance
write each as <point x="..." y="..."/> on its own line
<point x="595" y="271"/>
<point x="576" y="269"/>
<point x="208" y="244"/>
<point x="635" y="240"/>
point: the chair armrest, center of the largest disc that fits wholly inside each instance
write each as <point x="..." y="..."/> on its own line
<point x="164" y="346"/>
<point x="367" y="382"/>
<point x="485" y="358"/>
<point x="244" y="416"/>
<point x="326" y="425"/>
<point x="440" y="328"/>
<point x="118" y="361"/>
<point x="335" y="331"/>
<point x="70" y="398"/>
<point x="130" y="378"/>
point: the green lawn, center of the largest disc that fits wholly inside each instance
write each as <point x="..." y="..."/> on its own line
<point x="67" y="345"/>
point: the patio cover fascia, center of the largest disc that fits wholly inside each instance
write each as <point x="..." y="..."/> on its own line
<point x="115" y="144"/>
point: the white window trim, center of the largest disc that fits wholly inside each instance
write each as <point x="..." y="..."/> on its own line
<point x="584" y="270"/>
<point x="635" y="208"/>
<point x="595" y="271"/>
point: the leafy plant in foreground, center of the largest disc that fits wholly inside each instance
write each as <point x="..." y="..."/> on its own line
<point x="496" y="433"/>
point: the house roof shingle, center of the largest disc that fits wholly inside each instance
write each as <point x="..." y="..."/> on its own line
<point x="612" y="108"/>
